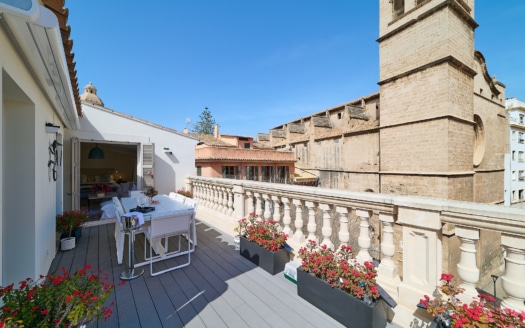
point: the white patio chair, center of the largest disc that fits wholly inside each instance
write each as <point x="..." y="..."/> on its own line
<point x="163" y="228"/>
<point x="194" y="204"/>
<point x="172" y="195"/>
<point x="120" y="235"/>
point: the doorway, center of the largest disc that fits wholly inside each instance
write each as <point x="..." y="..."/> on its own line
<point x="114" y="164"/>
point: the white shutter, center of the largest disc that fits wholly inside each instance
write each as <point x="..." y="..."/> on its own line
<point x="148" y="161"/>
<point x="75" y="173"/>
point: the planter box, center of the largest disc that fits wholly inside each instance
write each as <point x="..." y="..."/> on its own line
<point x="340" y="305"/>
<point x="272" y="262"/>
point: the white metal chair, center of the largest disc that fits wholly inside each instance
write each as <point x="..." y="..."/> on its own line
<point x="120" y="235"/>
<point x="194" y="204"/>
<point x="163" y="228"/>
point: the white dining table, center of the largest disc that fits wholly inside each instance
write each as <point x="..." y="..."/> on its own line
<point x="164" y="207"/>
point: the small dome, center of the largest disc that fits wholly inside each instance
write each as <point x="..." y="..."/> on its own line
<point x="90" y="95"/>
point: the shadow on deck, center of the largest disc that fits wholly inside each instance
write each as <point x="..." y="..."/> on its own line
<point x="218" y="289"/>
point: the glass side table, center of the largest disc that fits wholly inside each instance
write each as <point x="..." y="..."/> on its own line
<point x="130" y="226"/>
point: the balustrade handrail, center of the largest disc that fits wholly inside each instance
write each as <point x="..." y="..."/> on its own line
<point x="335" y="217"/>
<point x="476" y="215"/>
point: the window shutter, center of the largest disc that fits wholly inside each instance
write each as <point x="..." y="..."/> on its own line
<point x="148" y="161"/>
<point x="75" y="173"/>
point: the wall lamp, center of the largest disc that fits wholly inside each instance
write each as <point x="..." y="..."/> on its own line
<point x="51" y="128"/>
<point x="167" y="151"/>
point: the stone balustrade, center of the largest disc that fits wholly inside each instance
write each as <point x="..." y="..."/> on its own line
<point x="412" y="239"/>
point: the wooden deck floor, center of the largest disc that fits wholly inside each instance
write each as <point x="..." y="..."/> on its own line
<point x="218" y="289"/>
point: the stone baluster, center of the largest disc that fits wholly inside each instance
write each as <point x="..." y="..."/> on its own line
<point x="287" y="219"/>
<point x="344" y="234"/>
<point x="364" y="236"/>
<point x="218" y="199"/>
<point x="209" y="197"/>
<point x="197" y="191"/>
<point x="209" y="194"/>
<point x="213" y="200"/>
<point x="249" y="197"/>
<point x="224" y="200"/>
<point x="513" y="281"/>
<point x="258" y="204"/>
<point x="229" y="211"/>
<point x="218" y="206"/>
<point x="312" y="225"/>
<point x="468" y="271"/>
<point x="202" y="194"/>
<point x="326" y="229"/>
<point x="267" y="211"/>
<point x="277" y="209"/>
<point x="387" y="275"/>
<point x="298" y="235"/>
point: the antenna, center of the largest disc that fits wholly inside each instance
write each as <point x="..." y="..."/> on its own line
<point x="188" y="121"/>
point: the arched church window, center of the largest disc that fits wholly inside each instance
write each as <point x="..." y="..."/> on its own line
<point x="479" y="141"/>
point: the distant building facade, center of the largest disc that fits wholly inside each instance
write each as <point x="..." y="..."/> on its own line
<point x="235" y="157"/>
<point x="516" y="164"/>
<point x="437" y="127"/>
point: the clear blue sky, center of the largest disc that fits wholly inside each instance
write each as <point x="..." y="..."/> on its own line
<point x="255" y="64"/>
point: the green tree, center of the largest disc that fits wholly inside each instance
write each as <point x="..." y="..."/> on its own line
<point x="205" y="124"/>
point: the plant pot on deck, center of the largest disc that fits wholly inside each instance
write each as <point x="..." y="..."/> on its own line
<point x="340" y="305"/>
<point x="67" y="243"/>
<point x="271" y="262"/>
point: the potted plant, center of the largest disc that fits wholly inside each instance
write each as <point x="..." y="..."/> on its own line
<point x="262" y="243"/>
<point x="100" y="189"/>
<point x="58" y="300"/>
<point x="339" y="286"/>
<point x="185" y="193"/>
<point x="150" y="192"/>
<point x="69" y="225"/>
<point x="449" y="311"/>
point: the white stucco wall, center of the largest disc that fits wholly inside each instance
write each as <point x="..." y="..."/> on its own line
<point x="104" y="125"/>
<point x="28" y="194"/>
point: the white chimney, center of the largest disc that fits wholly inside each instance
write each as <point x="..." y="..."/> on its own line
<point x="216" y="131"/>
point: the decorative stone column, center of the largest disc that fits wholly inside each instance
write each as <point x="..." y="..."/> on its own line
<point x="215" y="200"/>
<point x="287" y="219"/>
<point x="312" y="225"/>
<point x="387" y="275"/>
<point x="224" y="208"/>
<point x="258" y="204"/>
<point x="229" y="211"/>
<point x="220" y="199"/>
<point x="344" y="234"/>
<point x="364" y="236"/>
<point x="467" y="268"/>
<point x="208" y="195"/>
<point x="326" y="230"/>
<point x="267" y="202"/>
<point x="204" y="195"/>
<point x="249" y="196"/>
<point x="513" y="281"/>
<point x="298" y="235"/>
<point x="276" y="216"/>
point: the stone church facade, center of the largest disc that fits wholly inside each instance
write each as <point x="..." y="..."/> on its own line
<point x="436" y="128"/>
